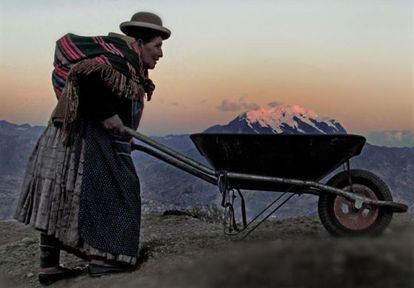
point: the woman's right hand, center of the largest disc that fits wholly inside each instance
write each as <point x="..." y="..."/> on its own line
<point x="114" y="124"/>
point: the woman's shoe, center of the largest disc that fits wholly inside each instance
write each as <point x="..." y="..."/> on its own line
<point x="62" y="273"/>
<point x="96" y="270"/>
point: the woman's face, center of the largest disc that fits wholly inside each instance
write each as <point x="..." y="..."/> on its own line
<point x="151" y="52"/>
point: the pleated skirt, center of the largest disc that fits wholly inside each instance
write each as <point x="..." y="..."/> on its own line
<point x="51" y="193"/>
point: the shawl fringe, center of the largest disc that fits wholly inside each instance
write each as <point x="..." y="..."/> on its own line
<point x="116" y="81"/>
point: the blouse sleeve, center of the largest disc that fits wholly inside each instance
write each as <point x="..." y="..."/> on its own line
<point x="96" y="99"/>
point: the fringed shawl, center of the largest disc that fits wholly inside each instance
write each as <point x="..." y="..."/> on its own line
<point x="119" y="63"/>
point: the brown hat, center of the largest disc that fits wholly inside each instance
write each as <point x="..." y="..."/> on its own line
<point x="145" y="22"/>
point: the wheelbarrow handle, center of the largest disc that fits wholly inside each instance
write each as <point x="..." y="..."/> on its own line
<point x="168" y="151"/>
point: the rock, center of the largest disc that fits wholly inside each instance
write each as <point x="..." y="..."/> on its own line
<point x="26" y="241"/>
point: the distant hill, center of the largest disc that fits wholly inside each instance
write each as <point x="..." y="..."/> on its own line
<point x="392" y="138"/>
<point x="16" y="143"/>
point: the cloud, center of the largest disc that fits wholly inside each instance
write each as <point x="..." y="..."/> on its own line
<point x="273" y="104"/>
<point x="242" y="97"/>
<point x="392" y="138"/>
<point x="250" y="106"/>
<point x="231" y="105"/>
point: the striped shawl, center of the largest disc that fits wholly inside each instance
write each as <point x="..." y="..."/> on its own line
<point x="119" y="63"/>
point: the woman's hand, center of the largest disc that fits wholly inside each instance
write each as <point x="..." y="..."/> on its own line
<point x="114" y="124"/>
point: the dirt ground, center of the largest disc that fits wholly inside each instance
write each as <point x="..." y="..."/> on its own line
<point x="183" y="251"/>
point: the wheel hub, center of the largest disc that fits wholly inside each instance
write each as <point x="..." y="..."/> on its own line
<point x="352" y="216"/>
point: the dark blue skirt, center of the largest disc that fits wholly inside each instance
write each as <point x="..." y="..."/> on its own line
<point x="110" y="202"/>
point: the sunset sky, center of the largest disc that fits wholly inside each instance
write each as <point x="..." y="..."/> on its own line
<point x="349" y="60"/>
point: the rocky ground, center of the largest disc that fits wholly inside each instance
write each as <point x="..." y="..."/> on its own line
<point x="183" y="251"/>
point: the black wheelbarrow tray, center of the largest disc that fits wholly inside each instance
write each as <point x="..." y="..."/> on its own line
<point x="351" y="203"/>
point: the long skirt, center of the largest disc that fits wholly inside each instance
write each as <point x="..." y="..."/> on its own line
<point x="87" y="194"/>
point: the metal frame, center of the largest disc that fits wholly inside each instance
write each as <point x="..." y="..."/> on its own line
<point x="203" y="172"/>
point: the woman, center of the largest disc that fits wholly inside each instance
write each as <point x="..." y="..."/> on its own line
<point x="81" y="189"/>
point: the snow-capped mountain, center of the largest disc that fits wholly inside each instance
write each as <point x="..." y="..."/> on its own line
<point x="282" y="119"/>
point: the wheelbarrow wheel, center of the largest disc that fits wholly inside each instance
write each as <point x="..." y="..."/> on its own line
<point x="342" y="217"/>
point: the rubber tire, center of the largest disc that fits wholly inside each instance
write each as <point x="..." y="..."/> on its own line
<point x="341" y="180"/>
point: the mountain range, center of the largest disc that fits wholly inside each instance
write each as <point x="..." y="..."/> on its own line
<point x="164" y="187"/>
<point x="392" y="138"/>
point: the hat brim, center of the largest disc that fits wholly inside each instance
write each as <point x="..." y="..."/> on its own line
<point x="134" y="27"/>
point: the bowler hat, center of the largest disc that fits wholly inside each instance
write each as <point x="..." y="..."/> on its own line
<point x="145" y="22"/>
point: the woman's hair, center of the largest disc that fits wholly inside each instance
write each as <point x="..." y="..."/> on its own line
<point x="146" y="36"/>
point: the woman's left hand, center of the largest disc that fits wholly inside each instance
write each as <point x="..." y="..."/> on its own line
<point x="114" y="124"/>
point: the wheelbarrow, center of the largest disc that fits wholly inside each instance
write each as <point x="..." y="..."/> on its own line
<point x="351" y="203"/>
